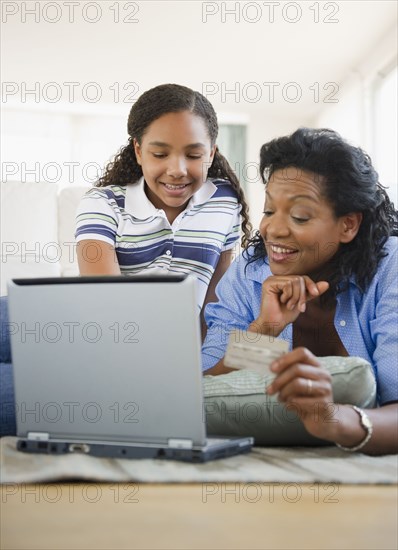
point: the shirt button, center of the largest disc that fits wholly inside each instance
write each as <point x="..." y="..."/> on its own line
<point x="168" y="252"/>
<point x="342" y="323"/>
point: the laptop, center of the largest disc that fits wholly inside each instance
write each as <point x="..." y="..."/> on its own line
<point x="111" y="367"/>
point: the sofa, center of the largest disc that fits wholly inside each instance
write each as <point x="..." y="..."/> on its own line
<point x="37" y="230"/>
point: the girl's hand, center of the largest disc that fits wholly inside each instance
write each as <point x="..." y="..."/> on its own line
<point x="302" y="383"/>
<point x="284" y="297"/>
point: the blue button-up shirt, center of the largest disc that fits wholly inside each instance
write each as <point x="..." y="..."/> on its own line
<point x="367" y="323"/>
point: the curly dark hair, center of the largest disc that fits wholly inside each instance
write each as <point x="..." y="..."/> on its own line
<point x="349" y="183"/>
<point x="163" y="99"/>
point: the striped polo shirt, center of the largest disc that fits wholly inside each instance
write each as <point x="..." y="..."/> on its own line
<point x="143" y="238"/>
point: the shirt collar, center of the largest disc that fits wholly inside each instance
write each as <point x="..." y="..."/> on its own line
<point x="257" y="270"/>
<point x="139" y="206"/>
<point x="203" y="194"/>
<point x="137" y="203"/>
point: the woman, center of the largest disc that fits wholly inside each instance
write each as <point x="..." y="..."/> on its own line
<point x="320" y="273"/>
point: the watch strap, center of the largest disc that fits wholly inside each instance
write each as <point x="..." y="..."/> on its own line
<point x="366" y="424"/>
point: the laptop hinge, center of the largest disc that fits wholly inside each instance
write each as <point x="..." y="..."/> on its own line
<point x="38" y="436"/>
<point x="180" y="443"/>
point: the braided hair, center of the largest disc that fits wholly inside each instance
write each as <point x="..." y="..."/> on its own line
<point x="163" y="99"/>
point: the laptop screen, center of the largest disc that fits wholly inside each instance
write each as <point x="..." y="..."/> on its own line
<point x="107" y="358"/>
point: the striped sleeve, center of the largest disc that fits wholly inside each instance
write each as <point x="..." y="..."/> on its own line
<point x="234" y="231"/>
<point x="97" y="216"/>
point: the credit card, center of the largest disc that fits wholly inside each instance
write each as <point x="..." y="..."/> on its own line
<point x="253" y="351"/>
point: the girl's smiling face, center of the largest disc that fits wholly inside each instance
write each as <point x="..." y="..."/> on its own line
<point x="175" y="154"/>
<point x="300" y="230"/>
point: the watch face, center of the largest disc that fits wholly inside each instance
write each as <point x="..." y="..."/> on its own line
<point x="366" y="421"/>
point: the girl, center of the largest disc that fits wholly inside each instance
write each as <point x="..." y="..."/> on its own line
<point x="321" y="274"/>
<point x="169" y="200"/>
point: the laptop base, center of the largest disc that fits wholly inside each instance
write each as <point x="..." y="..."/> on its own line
<point x="112" y="450"/>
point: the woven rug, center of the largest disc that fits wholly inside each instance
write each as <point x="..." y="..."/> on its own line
<point x="270" y="464"/>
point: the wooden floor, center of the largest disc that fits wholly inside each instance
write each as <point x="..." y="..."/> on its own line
<point x="200" y="516"/>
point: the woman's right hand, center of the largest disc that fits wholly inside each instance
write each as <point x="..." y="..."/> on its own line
<point x="284" y="297"/>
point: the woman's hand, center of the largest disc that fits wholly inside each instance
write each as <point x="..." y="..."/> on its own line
<point x="283" y="298"/>
<point x="302" y="383"/>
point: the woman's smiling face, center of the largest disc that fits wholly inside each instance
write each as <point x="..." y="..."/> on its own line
<point x="300" y="230"/>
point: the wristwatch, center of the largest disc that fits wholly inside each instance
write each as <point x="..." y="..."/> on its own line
<point x="365" y="423"/>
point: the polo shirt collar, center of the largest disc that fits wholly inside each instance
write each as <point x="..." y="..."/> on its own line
<point x="203" y="194"/>
<point x="137" y="203"/>
<point x="140" y="207"/>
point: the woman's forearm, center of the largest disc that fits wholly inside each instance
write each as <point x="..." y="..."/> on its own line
<point x="349" y="432"/>
<point x="266" y="328"/>
<point x="219" y="368"/>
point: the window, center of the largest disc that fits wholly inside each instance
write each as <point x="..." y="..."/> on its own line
<point x="385" y="144"/>
<point x="232" y="144"/>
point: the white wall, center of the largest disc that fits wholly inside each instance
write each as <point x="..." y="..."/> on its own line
<point x="62" y="146"/>
<point x="261" y="130"/>
<point x="171" y="42"/>
<point x="366" y="114"/>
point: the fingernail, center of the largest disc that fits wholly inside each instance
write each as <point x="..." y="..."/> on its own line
<point x="302" y="307"/>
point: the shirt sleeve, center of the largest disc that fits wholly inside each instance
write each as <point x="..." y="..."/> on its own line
<point x="97" y="217"/>
<point x="234" y="230"/>
<point x="384" y="330"/>
<point x="232" y="311"/>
